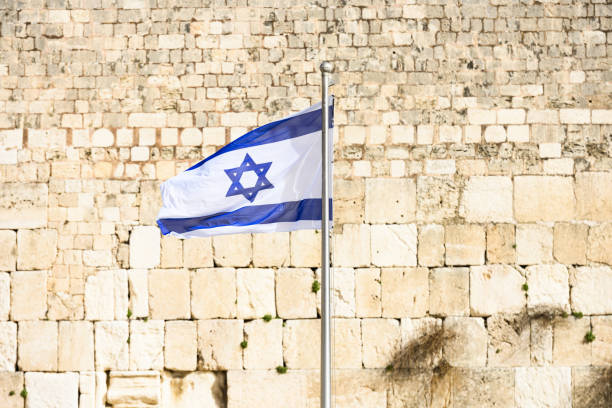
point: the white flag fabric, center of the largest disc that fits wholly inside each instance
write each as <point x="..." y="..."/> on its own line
<point x="267" y="180"/>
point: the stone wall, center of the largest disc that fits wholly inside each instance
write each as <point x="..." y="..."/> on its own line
<point x="472" y="188"/>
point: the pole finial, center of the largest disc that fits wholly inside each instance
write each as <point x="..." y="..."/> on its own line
<point x="326" y="67"/>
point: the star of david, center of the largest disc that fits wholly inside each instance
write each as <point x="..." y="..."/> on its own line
<point x="235" y="175"/>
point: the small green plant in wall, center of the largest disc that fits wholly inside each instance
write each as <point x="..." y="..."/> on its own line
<point x="589" y="337"/>
<point x="267" y="317"/>
<point x="577" y="315"/>
<point x="24" y="393"/>
<point x="281" y="369"/>
<point x="316" y="286"/>
<point x="389" y="368"/>
<point x="11" y="393"/>
<point x="525" y="287"/>
<point x="129" y="313"/>
<point x="244" y="344"/>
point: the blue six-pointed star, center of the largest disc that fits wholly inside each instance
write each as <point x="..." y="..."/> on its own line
<point x="235" y="175"/>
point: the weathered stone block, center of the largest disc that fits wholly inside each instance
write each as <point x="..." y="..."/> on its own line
<point x="8" y="346"/>
<point x="193" y="389"/>
<point x="602" y="346"/>
<point x="28" y="295"/>
<point x="352" y="246"/>
<point x="264" y="344"/>
<point x="50" y="390"/>
<point x="232" y="250"/>
<point x="569" y="347"/>
<point x="431" y="245"/>
<point x="37" y="343"/>
<point x="437" y="198"/>
<point x="347" y="343"/>
<point x="449" y="292"/>
<point x="36" y="249"/>
<point x="394" y="245"/>
<point x="381" y="338"/>
<point x="404" y="292"/>
<point x="294" y="295"/>
<point x="306" y="248"/>
<point x="495" y="289"/>
<point x="483" y="387"/>
<point x="368" y="293"/>
<point x="487" y="199"/>
<point x="146" y="345"/>
<point x="255" y="292"/>
<point x="343" y="292"/>
<point x="197" y="253"/>
<point x="600" y="243"/>
<point x="181" y="346"/>
<point x="543" y="198"/>
<point x="591" y="288"/>
<point x="171" y="252"/>
<point x="133" y="389"/>
<point x="501" y="247"/>
<point x="76" y="346"/>
<point x="467" y="342"/>
<point x="422" y="343"/>
<point x="10" y="386"/>
<point x="271" y="249"/>
<point x="213" y="293"/>
<point x="465" y="244"/>
<point x="106" y="295"/>
<point x="247" y="389"/>
<point x="548" y="289"/>
<point x="509" y="340"/>
<point x="541" y="341"/>
<point x="144" y="247"/>
<point x="23" y="205"/>
<point x="169" y="294"/>
<point x="570" y="243"/>
<point x="8" y="250"/>
<point x="302" y="343"/>
<point x="591" y="387"/>
<point x="139" y="292"/>
<point x="219" y="344"/>
<point x="398" y="205"/>
<point x="111" y="342"/>
<point x="534" y="244"/>
<point x="5" y="295"/>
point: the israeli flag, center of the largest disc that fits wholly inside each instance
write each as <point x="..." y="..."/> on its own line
<point x="267" y="180"/>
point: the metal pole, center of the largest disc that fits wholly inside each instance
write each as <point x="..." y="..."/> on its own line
<point x="326" y="69"/>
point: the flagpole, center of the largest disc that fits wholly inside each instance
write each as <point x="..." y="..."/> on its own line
<point x="326" y="69"/>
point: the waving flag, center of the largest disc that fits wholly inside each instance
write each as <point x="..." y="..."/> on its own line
<point x="267" y="180"/>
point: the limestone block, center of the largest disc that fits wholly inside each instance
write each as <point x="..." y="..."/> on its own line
<point x="501" y="243"/>
<point x="343" y="292"/>
<point x="139" y="292"/>
<point x="496" y="289"/>
<point x="390" y="200"/>
<point x="487" y="199"/>
<point x="431" y="245"/>
<point x="11" y="383"/>
<point x="394" y="245"/>
<point x="600" y="243"/>
<point x="437" y="198"/>
<point x="8" y="250"/>
<point x="509" y="338"/>
<point x="5" y="295"/>
<point x="197" y="253"/>
<point x="28" y="295"/>
<point x="570" y="243"/>
<point x="102" y="138"/>
<point x="543" y="387"/>
<point x="302" y="343"/>
<point x="50" y="390"/>
<point x="65" y="306"/>
<point x="569" y="347"/>
<point x="465" y="244"/>
<point x="171" y="252"/>
<point x="368" y="293"/>
<point x="149" y="200"/>
<point x="271" y="249"/>
<point x="405" y="292"/>
<point x="347" y="343"/>
<point x="255" y="292"/>
<point x="120" y="294"/>
<point x="594" y="196"/>
<point x="92" y="389"/>
<point x="169" y="294"/>
<point x="219" y="344"/>
<point x="264" y="344"/>
<point x="548" y="289"/>
<point x="111" y="340"/>
<point x="37" y="343"/>
<point x="232" y="250"/>
<point x="106" y="295"/>
<point x="449" y="134"/>
<point x="144" y="247"/>
<point x="381" y="339"/>
<point x="352" y="246"/>
<point x="467" y="343"/>
<point x="591" y="286"/>
<point x="484" y="387"/>
<point x="495" y="134"/>
<point x="543" y="198"/>
<point x="533" y="244"/>
<point x="191" y="390"/>
<point x="133" y="389"/>
<point x="294" y="296"/>
<point x="36" y="249"/>
<point x="602" y="346"/>
<point x="306" y="248"/>
<point x="8" y="346"/>
<point x="421" y="347"/>
<point x="247" y="389"/>
<point x="181" y="346"/>
<point x="23" y="205"/>
<point x="76" y="346"/>
<point x="449" y="292"/>
<point x="146" y="345"/>
<point x="591" y="387"/>
<point x="213" y="293"/>
<point x="541" y="341"/>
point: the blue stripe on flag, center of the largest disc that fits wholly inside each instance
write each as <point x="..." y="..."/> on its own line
<point x="283" y="129"/>
<point x="291" y="211"/>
